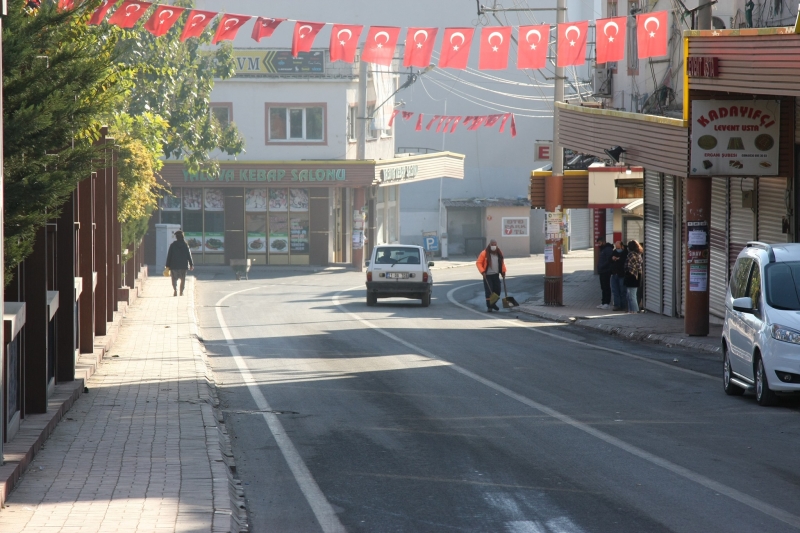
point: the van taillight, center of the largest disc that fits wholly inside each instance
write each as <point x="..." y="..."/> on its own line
<point x="425" y="277"/>
<point x="369" y="276"/>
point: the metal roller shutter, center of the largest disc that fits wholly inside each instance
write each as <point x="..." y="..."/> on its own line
<point x="682" y="195"/>
<point x="771" y="209"/>
<point x="668" y="246"/>
<point x="718" y="282"/>
<point x="741" y="219"/>
<point x="580" y="226"/>
<point x="652" y="242"/>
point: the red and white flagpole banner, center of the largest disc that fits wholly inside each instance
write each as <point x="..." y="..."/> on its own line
<point x="304" y="35"/>
<point x="344" y="42"/>
<point x="456" y="120"/>
<point x="572" y="43"/>
<point x="532" y="48"/>
<point x="419" y="47"/>
<point x="434" y="119"/>
<point x="196" y="23"/>
<point x="380" y="44"/>
<point x="610" y="39"/>
<point x="229" y="26"/>
<point x="394" y="114"/>
<point x="100" y="13"/>
<point x="265" y="27"/>
<point x="491" y="120"/>
<point x="651" y="34"/>
<point x="129" y="13"/>
<point x="495" y="43"/>
<point x="419" y="123"/>
<point x="442" y="124"/>
<point x="162" y="19"/>
<point x="477" y="122"/>
<point x="455" y="48"/>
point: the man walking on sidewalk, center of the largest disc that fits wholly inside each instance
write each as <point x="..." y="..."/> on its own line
<point x="604" y="269"/>
<point x="179" y="260"/>
<point x="491" y="265"/>
<point x="618" y="288"/>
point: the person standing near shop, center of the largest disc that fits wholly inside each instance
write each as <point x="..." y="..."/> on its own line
<point x="633" y="275"/>
<point x="605" y="251"/>
<point x="491" y="265"/>
<point x="618" y="289"/>
<point x="179" y="261"/>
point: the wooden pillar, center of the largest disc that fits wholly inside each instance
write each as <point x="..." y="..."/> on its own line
<point x="101" y="252"/>
<point x="34" y="358"/>
<point x="116" y="229"/>
<point x="698" y="221"/>
<point x="67" y="249"/>
<point x="86" y="250"/>
<point x="553" y="267"/>
<point x="359" y="201"/>
<point x="111" y="216"/>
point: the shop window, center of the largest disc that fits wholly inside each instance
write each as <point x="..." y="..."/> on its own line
<point x="255" y="206"/>
<point x="192" y="200"/>
<point x="213" y="221"/>
<point x="170" y="207"/>
<point x="294" y="123"/>
<point x="223" y="112"/>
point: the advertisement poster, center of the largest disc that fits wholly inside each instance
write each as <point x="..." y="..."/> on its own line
<point x="255" y="200"/>
<point x="298" y="228"/>
<point x="195" y="241"/>
<point x="214" y="200"/>
<point x="278" y="234"/>
<point x="171" y="202"/>
<point x="358" y="239"/>
<point x="698" y="278"/>
<point x="278" y="200"/>
<point x="192" y="199"/>
<point x="515" y="227"/>
<point x="257" y="243"/>
<point x="215" y="242"/>
<point x="735" y="137"/>
<point x="298" y="200"/>
<point x="548" y="254"/>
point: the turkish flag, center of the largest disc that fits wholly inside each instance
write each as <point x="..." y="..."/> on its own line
<point x="129" y="13"/>
<point x="419" y="123"/>
<point x="455" y="47"/>
<point x="264" y="27"/>
<point x="380" y="44"/>
<point x="495" y="42"/>
<point x="304" y="35"/>
<point x="455" y="123"/>
<point x="572" y="43"/>
<point x="491" y="120"/>
<point x="434" y="119"/>
<point x="503" y="124"/>
<point x="344" y="42"/>
<point x="532" y="48"/>
<point x="101" y="12"/>
<point x="610" y="37"/>
<point x="419" y="47"/>
<point x="394" y="114"/>
<point x="196" y="22"/>
<point x="64" y="5"/>
<point x="228" y="27"/>
<point x="477" y="122"/>
<point x="651" y="32"/>
<point x="162" y="19"/>
<point x="407" y="115"/>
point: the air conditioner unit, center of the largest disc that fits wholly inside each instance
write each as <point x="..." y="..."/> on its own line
<point x="602" y="83"/>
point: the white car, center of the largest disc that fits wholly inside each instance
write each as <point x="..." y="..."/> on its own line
<point x="399" y="271"/>
<point x="761" y="335"/>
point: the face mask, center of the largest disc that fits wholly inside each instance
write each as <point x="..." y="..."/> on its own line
<point x="494" y="248"/>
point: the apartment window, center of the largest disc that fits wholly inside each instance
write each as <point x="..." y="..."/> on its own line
<point x="223" y="112"/>
<point x="372" y="133"/>
<point x="296" y="123"/>
<point x="633" y="46"/>
<point x="352" y="123"/>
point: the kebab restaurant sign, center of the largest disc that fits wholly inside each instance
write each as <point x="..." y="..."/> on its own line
<point x="735" y="137"/>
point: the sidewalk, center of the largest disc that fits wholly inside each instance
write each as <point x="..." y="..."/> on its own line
<point x="140" y="451"/>
<point x="581" y="297"/>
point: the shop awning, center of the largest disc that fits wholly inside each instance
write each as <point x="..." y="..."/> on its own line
<point x="633" y="205"/>
<point x="419" y="167"/>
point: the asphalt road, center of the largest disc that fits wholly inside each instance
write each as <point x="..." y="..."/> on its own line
<point x="403" y="418"/>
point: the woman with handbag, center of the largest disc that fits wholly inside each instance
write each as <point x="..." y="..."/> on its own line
<point x="633" y="275"/>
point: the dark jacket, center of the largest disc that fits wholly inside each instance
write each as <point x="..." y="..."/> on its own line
<point x="618" y="266"/>
<point x="604" y="261"/>
<point x="633" y="269"/>
<point x="179" y="257"/>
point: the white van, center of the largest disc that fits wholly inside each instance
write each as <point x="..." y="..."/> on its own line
<point x="399" y="271"/>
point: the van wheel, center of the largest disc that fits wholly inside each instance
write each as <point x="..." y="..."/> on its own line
<point x="426" y="300"/>
<point x="372" y="299"/>
<point x="730" y="388"/>
<point x="764" y="395"/>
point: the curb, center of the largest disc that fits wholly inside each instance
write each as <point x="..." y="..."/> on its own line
<point x="620" y="331"/>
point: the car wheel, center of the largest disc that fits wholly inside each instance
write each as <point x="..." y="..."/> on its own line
<point x="764" y="395"/>
<point x="730" y="388"/>
<point x="372" y="299"/>
<point x="426" y="300"/>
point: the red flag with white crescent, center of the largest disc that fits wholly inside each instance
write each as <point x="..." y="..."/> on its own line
<point x="419" y="123"/>
<point x="611" y="39"/>
<point x="532" y="48"/>
<point x="407" y="115"/>
<point x="495" y="43"/>
<point x="129" y="13"/>
<point x="456" y="120"/>
<point x="101" y="12"/>
<point x="64" y="5"/>
<point x="196" y="22"/>
<point x="394" y="114"/>
<point x="228" y="27"/>
<point x="572" y="43"/>
<point x="651" y="34"/>
<point x="455" y="48"/>
<point x="162" y="19"/>
<point x="344" y="42"/>
<point x="419" y="47"/>
<point x="503" y="124"/>
<point x="265" y="27"/>
<point x="380" y="44"/>
<point x="477" y="122"/>
<point x="304" y="35"/>
<point x="434" y="119"/>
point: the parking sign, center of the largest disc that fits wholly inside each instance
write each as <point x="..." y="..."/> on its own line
<point x="430" y="241"/>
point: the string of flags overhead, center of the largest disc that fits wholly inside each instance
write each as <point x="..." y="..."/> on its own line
<point x="448" y="123"/>
<point x="381" y="41"/>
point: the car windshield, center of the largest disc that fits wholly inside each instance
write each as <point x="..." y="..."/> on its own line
<point x="389" y="255"/>
<point x="782" y="285"/>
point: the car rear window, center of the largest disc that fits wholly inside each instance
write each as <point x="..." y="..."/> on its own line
<point x="782" y="285"/>
<point x="388" y="255"/>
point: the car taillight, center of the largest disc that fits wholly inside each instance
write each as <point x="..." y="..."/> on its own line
<point x="424" y="277"/>
<point x="369" y="276"/>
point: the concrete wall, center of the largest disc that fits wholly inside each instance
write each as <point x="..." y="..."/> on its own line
<point x="493" y="229"/>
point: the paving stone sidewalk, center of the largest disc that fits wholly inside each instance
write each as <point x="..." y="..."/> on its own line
<point x="140" y="451"/>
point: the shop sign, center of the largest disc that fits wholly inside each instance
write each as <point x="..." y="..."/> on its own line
<point x="543" y="151"/>
<point x="735" y="137"/>
<point x="253" y="62"/>
<point x="515" y="227"/>
<point x="703" y="67"/>
<point x="405" y="172"/>
<point x="271" y="175"/>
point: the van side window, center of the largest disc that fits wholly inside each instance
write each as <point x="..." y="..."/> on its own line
<point x="740" y="276"/>
<point x="754" y="287"/>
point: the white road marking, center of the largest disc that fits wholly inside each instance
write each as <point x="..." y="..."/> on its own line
<point x="326" y="516"/>
<point x="730" y="492"/>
